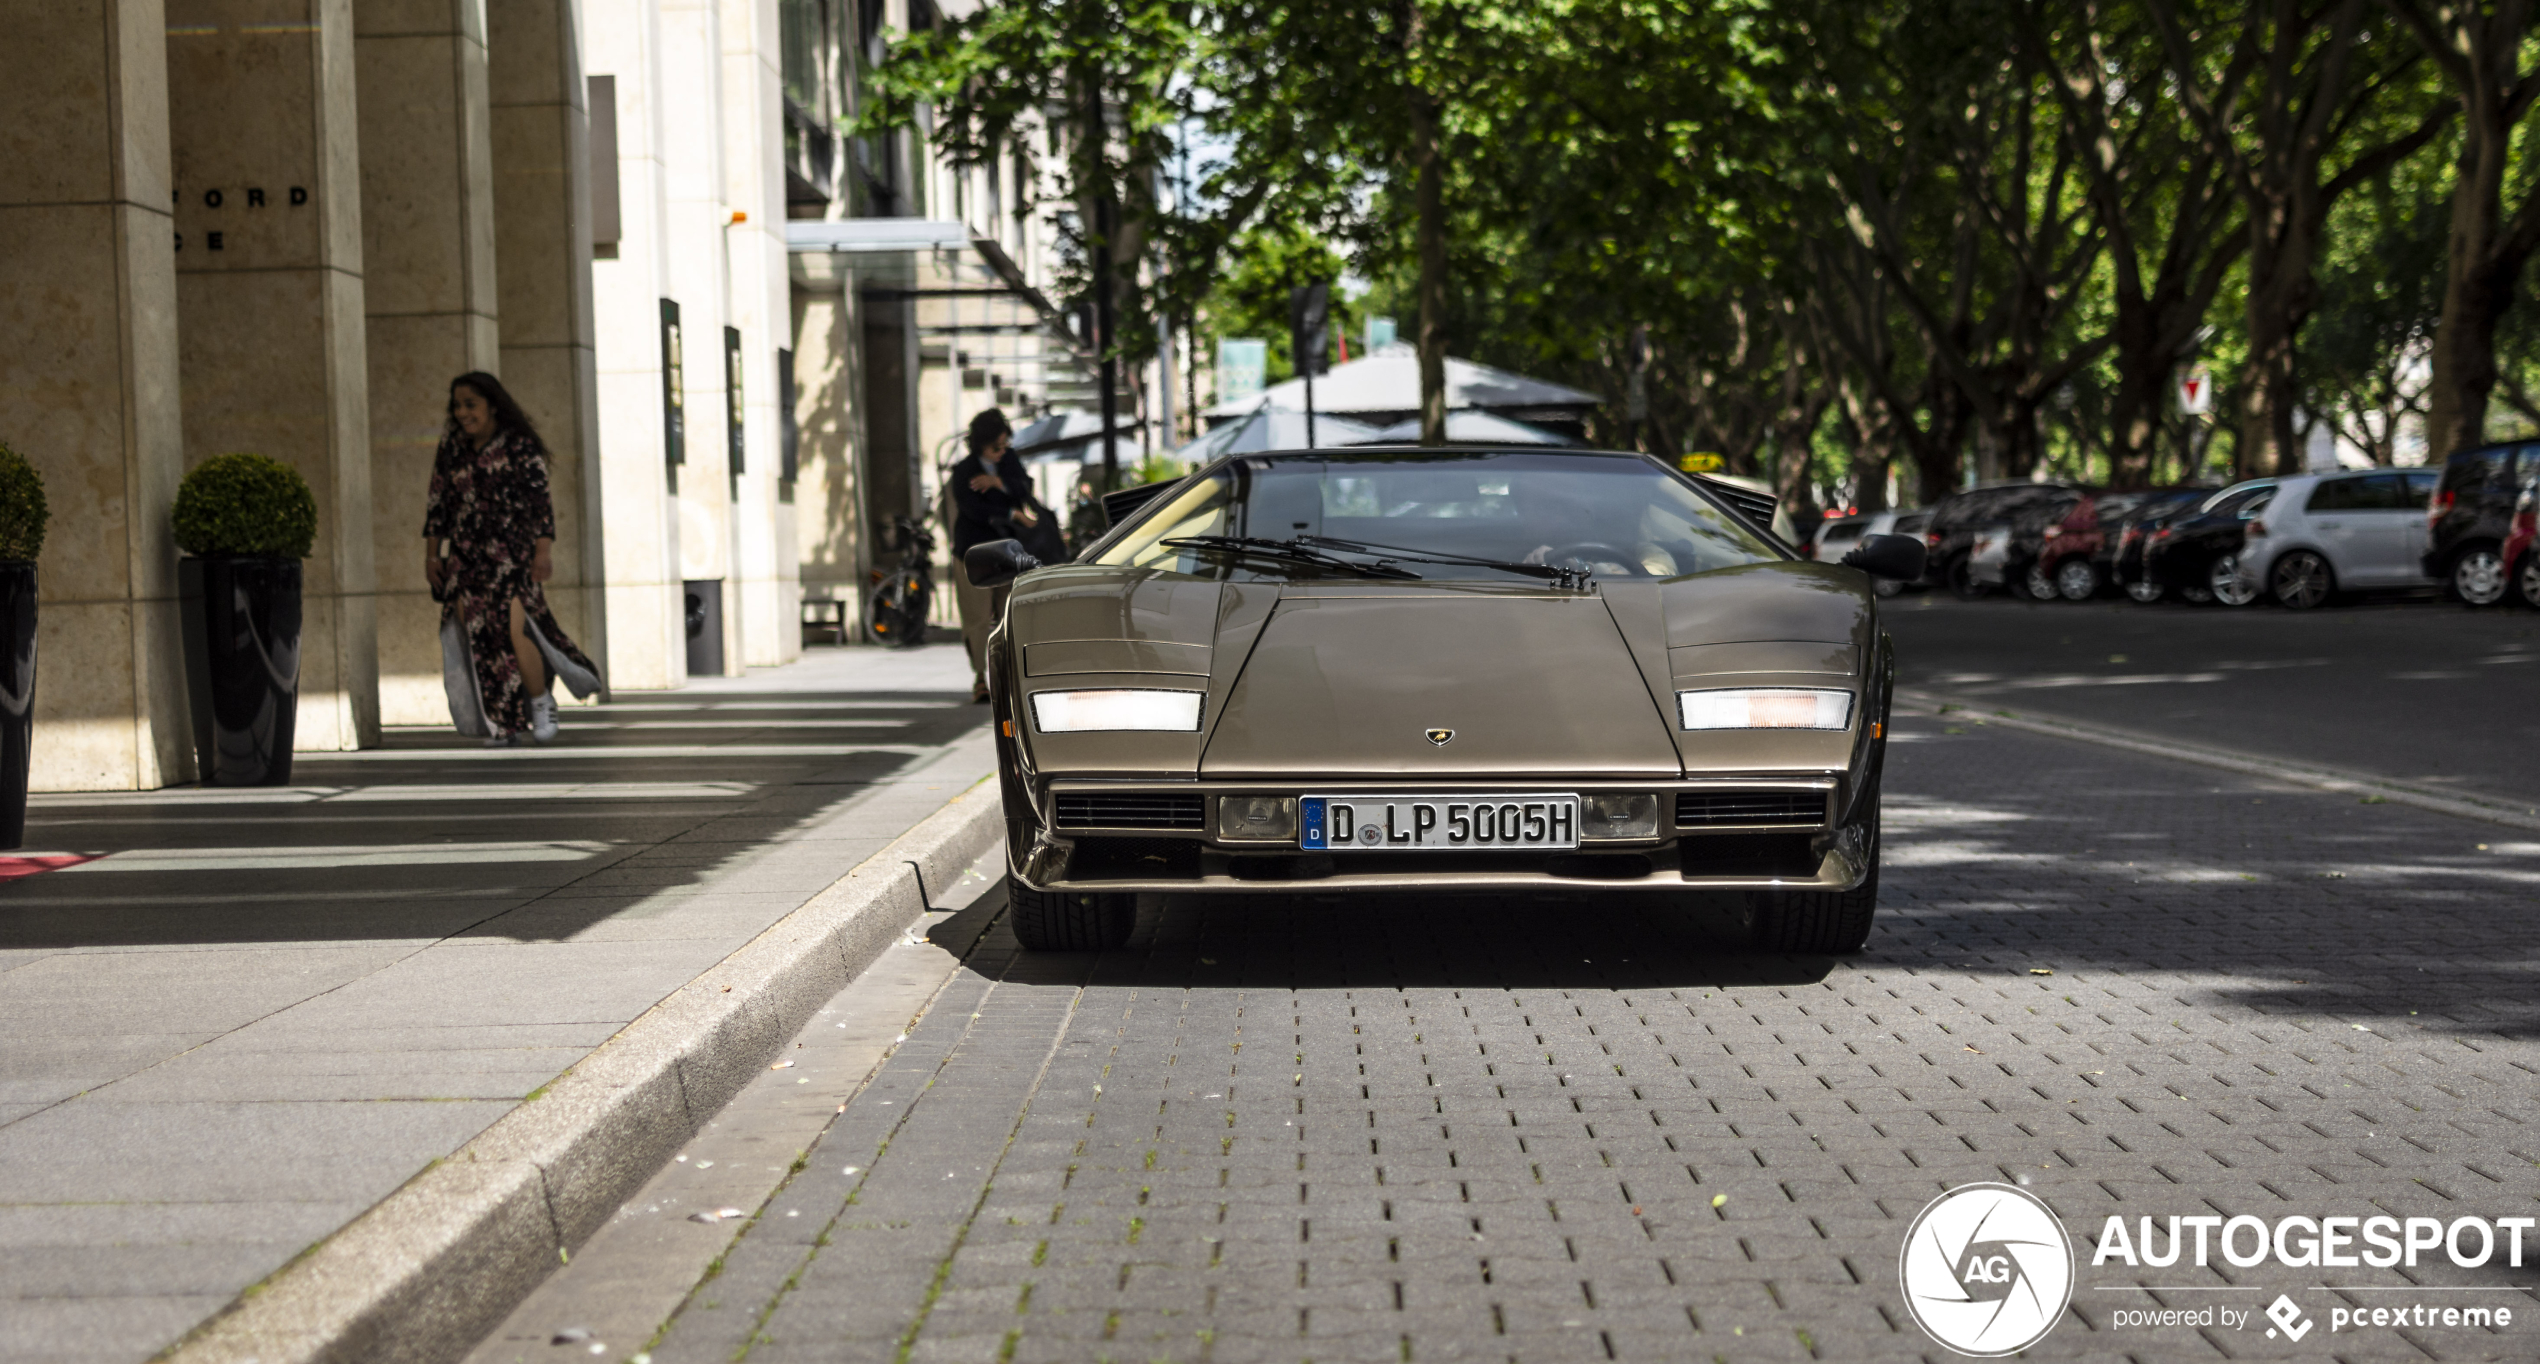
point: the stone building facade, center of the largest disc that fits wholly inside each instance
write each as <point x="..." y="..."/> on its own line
<point x="285" y="225"/>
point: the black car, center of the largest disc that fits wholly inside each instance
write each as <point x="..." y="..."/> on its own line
<point x="2005" y="508"/>
<point x="2121" y="545"/>
<point x="2478" y="528"/>
<point x="2198" y="555"/>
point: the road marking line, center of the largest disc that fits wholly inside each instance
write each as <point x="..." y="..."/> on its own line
<point x="2491" y="809"/>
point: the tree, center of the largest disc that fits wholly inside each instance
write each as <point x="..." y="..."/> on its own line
<point x="2480" y="49"/>
<point x="2279" y="91"/>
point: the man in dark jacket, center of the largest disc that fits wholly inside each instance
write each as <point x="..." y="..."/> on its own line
<point x="992" y="500"/>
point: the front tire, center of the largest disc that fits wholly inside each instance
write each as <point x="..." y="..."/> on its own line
<point x="2527" y="582"/>
<point x="2301" y="581"/>
<point x="2145" y="592"/>
<point x="2223" y="581"/>
<point x="2077" y="579"/>
<point x="1816" y="922"/>
<point x="1068" y="921"/>
<point x="2479" y="577"/>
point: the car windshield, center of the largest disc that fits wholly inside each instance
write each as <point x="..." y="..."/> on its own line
<point x="1616" y="516"/>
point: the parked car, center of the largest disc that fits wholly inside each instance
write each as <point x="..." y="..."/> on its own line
<point x="1838" y="535"/>
<point x="2324" y="534"/>
<point x="2479" y="525"/>
<point x="1958" y="519"/>
<point x="2075" y="558"/>
<point x="2198" y="555"/>
<point x="2121" y="548"/>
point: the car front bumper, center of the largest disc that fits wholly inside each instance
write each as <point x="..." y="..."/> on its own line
<point x="1828" y="846"/>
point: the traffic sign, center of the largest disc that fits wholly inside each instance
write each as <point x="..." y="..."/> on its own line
<point x="2196" y="393"/>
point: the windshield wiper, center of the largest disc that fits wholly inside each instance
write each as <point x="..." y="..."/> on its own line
<point x="1288" y="551"/>
<point x="1567" y="578"/>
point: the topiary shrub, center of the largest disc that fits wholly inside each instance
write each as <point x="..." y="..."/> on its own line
<point x="245" y="504"/>
<point x="22" y="509"/>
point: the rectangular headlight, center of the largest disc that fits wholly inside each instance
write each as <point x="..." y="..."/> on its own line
<point x="1764" y="708"/>
<point x="1078" y="712"/>
<point x="1618" y="816"/>
<point x="1257" y="817"/>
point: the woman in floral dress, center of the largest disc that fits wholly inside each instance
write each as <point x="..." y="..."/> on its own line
<point x="489" y="503"/>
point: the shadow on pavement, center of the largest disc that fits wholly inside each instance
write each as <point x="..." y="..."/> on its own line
<point x="1316" y="942"/>
<point x="434" y="836"/>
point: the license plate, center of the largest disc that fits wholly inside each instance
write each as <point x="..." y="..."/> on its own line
<point x="1370" y="823"/>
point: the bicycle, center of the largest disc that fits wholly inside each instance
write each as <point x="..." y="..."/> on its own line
<point x="895" y="614"/>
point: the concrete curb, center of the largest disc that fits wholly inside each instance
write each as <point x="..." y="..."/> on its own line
<point x="422" y="1276"/>
<point x="2493" y="810"/>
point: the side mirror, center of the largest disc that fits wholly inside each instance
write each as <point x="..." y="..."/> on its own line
<point x="996" y="563"/>
<point x="1881" y="556"/>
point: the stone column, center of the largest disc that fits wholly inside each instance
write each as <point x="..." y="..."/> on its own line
<point x="699" y="217"/>
<point x="427" y="215"/>
<point x="271" y="333"/>
<point x="542" y="227"/>
<point x="765" y="570"/>
<point x="88" y="383"/>
<point x="639" y="542"/>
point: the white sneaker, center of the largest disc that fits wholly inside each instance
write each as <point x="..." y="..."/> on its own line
<point x="542" y="719"/>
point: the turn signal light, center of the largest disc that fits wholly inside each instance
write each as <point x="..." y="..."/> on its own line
<point x="2434" y="509"/>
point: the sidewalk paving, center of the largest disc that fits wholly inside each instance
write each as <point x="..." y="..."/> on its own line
<point x="256" y="1013"/>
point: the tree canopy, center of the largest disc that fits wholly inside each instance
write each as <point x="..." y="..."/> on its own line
<point x="1842" y="244"/>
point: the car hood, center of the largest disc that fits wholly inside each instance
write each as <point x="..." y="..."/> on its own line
<point x="1370" y="680"/>
<point x="1350" y="677"/>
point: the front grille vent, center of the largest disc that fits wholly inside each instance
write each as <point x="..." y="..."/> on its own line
<point x="1128" y="810"/>
<point x="1701" y="809"/>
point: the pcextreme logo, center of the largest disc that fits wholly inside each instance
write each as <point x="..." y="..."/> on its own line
<point x="1986" y="1269"/>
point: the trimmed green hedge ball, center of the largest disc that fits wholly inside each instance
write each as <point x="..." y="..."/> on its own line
<point x="245" y="504"/>
<point x="22" y="509"/>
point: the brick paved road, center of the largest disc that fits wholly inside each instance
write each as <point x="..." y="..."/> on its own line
<point x="1567" y="1129"/>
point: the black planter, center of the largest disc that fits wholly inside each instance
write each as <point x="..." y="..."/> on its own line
<point x="17" y="694"/>
<point x="242" y="665"/>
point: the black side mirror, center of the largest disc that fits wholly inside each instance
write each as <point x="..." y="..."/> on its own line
<point x="997" y="562"/>
<point x="1881" y="556"/>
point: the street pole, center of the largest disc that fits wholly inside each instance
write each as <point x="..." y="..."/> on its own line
<point x="1096" y="133"/>
<point x="1309" y="407"/>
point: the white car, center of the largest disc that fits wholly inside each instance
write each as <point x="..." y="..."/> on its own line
<point x="2329" y="533"/>
<point x="1837" y="536"/>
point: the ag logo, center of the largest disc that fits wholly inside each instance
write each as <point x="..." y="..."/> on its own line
<point x="1987" y="1269"/>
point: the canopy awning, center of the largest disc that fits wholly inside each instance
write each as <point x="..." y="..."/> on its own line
<point x="1385" y="388"/>
<point x="1468" y="427"/>
<point x="1273" y="429"/>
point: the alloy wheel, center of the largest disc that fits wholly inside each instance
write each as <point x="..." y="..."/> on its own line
<point x="2479" y="576"/>
<point x="2077" y="579"/>
<point x="2041" y="587"/>
<point x="2223" y="580"/>
<point x="2301" y="580"/>
<point x="2527" y="582"/>
<point x="2146" y="593"/>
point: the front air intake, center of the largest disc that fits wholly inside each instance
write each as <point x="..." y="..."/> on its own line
<point x="1128" y="810"/>
<point x="1748" y="809"/>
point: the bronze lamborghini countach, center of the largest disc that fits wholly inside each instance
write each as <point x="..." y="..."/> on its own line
<point x="1439" y="670"/>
